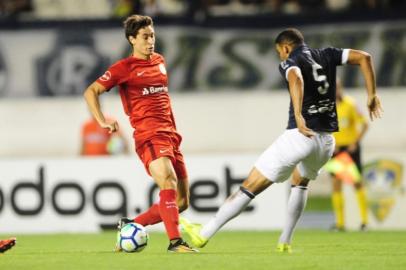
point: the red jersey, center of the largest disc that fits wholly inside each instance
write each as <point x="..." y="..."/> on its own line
<point x="143" y="86"/>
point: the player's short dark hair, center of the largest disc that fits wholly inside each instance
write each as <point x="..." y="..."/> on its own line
<point x="290" y="36"/>
<point x="134" y="23"/>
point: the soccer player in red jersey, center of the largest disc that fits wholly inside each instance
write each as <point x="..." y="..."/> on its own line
<point x="143" y="85"/>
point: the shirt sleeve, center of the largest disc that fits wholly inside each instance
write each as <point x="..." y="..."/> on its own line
<point x="338" y="56"/>
<point x="285" y="66"/>
<point x="113" y="76"/>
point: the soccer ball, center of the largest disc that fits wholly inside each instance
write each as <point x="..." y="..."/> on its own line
<point x="132" y="238"/>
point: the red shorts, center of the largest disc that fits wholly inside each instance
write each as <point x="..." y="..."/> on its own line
<point x="162" y="146"/>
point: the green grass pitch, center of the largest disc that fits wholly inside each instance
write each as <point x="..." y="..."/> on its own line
<point x="313" y="249"/>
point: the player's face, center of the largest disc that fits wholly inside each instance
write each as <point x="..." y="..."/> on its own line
<point x="283" y="51"/>
<point x="144" y="42"/>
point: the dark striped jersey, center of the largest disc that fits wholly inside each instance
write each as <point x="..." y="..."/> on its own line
<point x="318" y="68"/>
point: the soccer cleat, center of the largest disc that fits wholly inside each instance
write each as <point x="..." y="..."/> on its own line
<point x="122" y="222"/>
<point x="181" y="246"/>
<point x="7" y="244"/>
<point x="193" y="231"/>
<point x="284" y="248"/>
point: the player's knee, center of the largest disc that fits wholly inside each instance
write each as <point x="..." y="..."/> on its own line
<point x="166" y="181"/>
<point x="170" y="183"/>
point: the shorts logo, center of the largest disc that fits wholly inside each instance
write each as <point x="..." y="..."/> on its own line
<point x="163" y="151"/>
<point x="140" y="73"/>
<point x="162" y="68"/>
<point x="106" y="76"/>
<point x="383" y="179"/>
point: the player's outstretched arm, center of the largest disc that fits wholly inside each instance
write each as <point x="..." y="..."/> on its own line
<point x="364" y="60"/>
<point x="91" y="96"/>
<point x="296" y="89"/>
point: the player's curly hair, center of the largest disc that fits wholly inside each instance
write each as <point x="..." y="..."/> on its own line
<point x="134" y="23"/>
<point x="290" y="36"/>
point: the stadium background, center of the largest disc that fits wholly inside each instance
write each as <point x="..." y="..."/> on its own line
<point x="228" y="98"/>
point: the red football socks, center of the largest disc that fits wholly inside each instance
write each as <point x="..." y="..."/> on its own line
<point x="169" y="212"/>
<point x="166" y="210"/>
<point x="149" y="217"/>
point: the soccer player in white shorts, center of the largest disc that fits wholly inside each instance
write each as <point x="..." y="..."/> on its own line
<point x="307" y="143"/>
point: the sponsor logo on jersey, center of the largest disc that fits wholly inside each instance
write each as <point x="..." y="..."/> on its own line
<point x="106" y="76"/>
<point x="383" y="181"/>
<point x="145" y="91"/>
<point x="323" y="106"/>
<point x="153" y="90"/>
<point x="162" y="68"/>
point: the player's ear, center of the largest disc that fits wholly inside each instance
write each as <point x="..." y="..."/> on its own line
<point x="132" y="40"/>
<point x="286" y="49"/>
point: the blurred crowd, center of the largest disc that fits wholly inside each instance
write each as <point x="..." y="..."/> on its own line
<point x="102" y="9"/>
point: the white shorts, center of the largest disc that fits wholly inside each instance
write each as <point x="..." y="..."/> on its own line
<point x="293" y="148"/>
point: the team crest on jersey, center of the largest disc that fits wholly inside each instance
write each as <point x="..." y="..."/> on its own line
<point x="383" y="181"/>
<point x="106" y="76"/>
<point x="284" y="65"/>
<point x="162" y="68"/>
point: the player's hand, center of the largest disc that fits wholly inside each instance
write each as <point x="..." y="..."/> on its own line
<point x="374" y="107"/>
<point x="112" y="126"/>
<point x="301" y="126"/>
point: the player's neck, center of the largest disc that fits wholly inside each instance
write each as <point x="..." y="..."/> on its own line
<point x="141" y="56"/>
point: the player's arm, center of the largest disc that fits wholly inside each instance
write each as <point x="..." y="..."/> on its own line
<point x="91" y="96"/>
<point x="296" y="89"/>
<point x="364" y="60"/>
